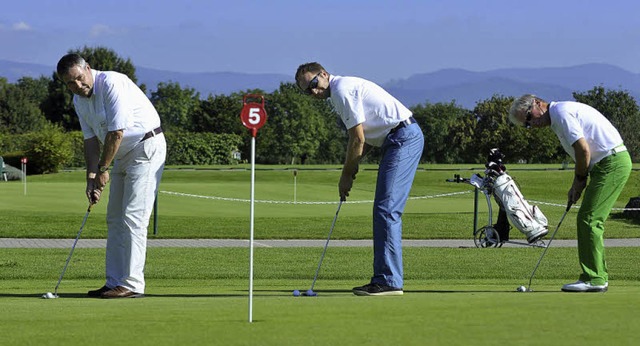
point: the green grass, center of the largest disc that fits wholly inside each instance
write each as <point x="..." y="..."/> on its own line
<point x="54" y="204"/>
<point x="199" y="296"/>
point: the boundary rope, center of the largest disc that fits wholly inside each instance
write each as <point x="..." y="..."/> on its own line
<point x="229" y="199"/>
<point x="298" y="202"/>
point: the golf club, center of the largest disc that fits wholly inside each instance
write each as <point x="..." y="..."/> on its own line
<point x="48" y="295"/>
<point x="546" y="248"/>
<point x="310" y="292"/>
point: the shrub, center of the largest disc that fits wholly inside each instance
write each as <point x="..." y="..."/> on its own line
<point x="77" y="148"/>
<point x="47" y="150"/>
<point x="189" y="148"/>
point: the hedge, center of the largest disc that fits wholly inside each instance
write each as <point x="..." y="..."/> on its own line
<point x="202" y="148"/>
<point x="50" y="150"/>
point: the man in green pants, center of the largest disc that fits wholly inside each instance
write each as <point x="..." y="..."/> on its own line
<point x="599" y="153"/>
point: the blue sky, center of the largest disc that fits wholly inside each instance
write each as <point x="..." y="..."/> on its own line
<point x="379" y="40"/>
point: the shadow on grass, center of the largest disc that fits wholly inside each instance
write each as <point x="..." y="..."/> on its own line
<point x="405" y="291"/>
<point x="263" y="293"/>
<point x="168" y="295"/>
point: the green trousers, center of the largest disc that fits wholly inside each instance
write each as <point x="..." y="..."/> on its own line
<point x="607" y="179"/>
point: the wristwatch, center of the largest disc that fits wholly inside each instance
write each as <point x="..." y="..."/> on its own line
<point x="103" y="168"/>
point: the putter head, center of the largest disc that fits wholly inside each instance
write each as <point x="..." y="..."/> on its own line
<point x="310" y="293"/>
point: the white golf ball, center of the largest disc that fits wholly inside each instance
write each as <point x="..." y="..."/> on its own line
<point x="521" y="289"/>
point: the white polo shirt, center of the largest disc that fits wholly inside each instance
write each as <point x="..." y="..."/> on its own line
<point x="573" y="120"/>
<point x="116" y="103"/>
<point x="359" y="101"/>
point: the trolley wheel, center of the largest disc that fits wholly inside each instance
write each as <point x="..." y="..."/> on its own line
<point x="487" y="236"/>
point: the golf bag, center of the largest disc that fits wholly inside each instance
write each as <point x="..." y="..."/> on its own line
<point x="528" y="219"/>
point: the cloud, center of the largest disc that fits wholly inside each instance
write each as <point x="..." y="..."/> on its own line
<point x="100" y="30"/>
<point x="21" y="26"/>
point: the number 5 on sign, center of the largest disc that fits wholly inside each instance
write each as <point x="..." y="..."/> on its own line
<point x="253" y="115"/>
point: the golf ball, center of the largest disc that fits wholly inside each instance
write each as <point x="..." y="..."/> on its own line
<point x="296" y="293"/>
<point x="521" y="289"/>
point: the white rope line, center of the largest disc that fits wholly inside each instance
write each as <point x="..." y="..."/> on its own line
<point x="357" y="202"/>
<point x="578" y="206"/>
<point x="298" y="202"/>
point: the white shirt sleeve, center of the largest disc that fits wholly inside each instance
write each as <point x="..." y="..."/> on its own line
<point x="348" y="104"/>
<point x="117" y="103"/>
<point x="571" y="128"/>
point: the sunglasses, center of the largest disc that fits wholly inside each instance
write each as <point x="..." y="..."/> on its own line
<point x="312" y="85"/>
<point x="527" y="122"/>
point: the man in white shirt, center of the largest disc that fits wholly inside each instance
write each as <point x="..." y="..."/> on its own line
<point x="598" y="151"/>
<point x="375" y="118"/>
<point x="116" y="115"/>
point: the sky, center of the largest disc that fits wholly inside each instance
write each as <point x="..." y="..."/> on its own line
<point x="375" y="39"/>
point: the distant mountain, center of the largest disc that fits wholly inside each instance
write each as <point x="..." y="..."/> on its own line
<point x="216" y="83"/>
<point x="13" y="71"/>
<point x="465" y="87"/>
<point x="467" y="94"/>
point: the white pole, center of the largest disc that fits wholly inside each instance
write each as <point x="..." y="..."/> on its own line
<point x="24" y="177"/>
<point x="253" y="174"/>
<point x="295" y="184"/>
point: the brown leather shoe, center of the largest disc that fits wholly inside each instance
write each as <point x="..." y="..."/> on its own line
<point x="121" y="292"/>
<point x="97" y="293"/>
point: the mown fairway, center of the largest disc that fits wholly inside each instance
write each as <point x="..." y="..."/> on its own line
<point x="198" y="296"/>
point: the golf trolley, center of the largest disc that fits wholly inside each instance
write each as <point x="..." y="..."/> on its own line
<point x="512" y="207"/>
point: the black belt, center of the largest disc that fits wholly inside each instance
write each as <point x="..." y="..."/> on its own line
<point x="404" y="123"/>
<point x="156" y="131"/>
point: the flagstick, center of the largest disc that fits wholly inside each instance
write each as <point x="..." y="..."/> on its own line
<point x="253" y="175"/>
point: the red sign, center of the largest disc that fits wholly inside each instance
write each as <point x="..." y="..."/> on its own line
<point x="253" y="115"/>
<point x="23" y="160"/>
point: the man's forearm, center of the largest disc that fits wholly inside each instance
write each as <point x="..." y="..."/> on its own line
<point x="583" y="158"/>
<point x="111" y="145"/>
<point x="355" y="149"/>
<point x="91" y="156"/>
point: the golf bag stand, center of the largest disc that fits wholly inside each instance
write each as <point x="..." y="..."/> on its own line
<point x="513" y="208"/>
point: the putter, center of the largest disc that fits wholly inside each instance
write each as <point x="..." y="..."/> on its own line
<point x="86" y="215"/>
<point x="548" y="245"/>
<point x="310" y="292"/>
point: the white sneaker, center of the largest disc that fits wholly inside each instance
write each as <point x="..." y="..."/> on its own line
<point x="581" y="286"/>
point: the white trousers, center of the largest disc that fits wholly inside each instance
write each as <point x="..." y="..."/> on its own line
<point x="132" y="191"/>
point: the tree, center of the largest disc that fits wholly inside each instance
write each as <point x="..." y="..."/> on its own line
<point x="34" y="89"/>
<point x="621" y="109"/>
<point x="295" y="127"/>
<point x="493" y="130"/>
<point x="220" y="114"/>
<point x="442" y="125"/>
<point x="19" y="110"/>
<point x="58" y="106"/>
<point x="176" y="106"/>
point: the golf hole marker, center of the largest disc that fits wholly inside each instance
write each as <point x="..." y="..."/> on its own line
<point x="253" y="117"/>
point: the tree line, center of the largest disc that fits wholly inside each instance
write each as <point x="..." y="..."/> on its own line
<point x="301" y="130"/>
